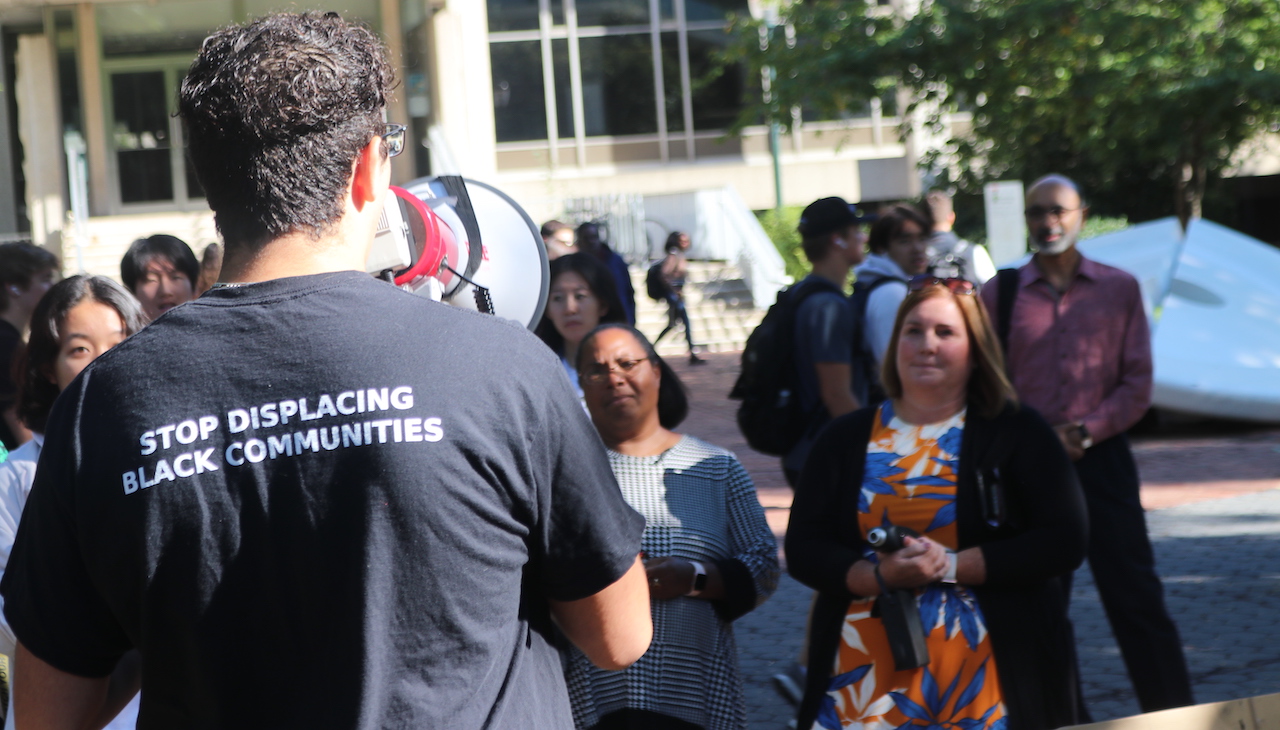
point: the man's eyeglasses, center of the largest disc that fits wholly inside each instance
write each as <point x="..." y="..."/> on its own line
<point x="394" y="136"/>
<point x="1036" y="212"/>
<point x="600" y="372"/>
<point x="955" y="286"/>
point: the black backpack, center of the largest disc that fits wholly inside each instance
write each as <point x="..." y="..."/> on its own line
<point x="655" y="284"/>
<point x="866" y="371"/>
<point x="771" y="417"/>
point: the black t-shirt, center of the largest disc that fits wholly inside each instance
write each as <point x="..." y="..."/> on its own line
<point x="320" y="502"/>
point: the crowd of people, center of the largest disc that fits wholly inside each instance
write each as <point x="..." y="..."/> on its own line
<point x="267" y="508"/>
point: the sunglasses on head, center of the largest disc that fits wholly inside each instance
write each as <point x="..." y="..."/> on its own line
<point x="955" y="286"/>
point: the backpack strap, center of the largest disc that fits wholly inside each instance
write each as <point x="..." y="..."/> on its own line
<point x="866" y="370"/>
<point x="1006" y="295"/>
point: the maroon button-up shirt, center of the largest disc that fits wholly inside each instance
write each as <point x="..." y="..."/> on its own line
<point x="1083" y="355"/>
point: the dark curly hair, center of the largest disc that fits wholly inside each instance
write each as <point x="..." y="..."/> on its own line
<point x="143" y="250"/>
<point x="36" y="390"/>
<point x="276" y="112"/>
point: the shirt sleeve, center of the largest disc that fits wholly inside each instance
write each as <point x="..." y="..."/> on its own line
<point x="751" y="575"/>
<point x="1125" y="405"/>
<point x="587" y="534"/>
<point x="14" y="485"/>
<point x="882" y="310"/>
<point x="50" y="599"/>
<point x="829" y="322"/>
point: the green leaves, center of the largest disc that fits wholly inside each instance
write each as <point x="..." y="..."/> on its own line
<point x="1135" y="98"/>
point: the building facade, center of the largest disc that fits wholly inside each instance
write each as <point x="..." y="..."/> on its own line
<point x="549" y="100"/>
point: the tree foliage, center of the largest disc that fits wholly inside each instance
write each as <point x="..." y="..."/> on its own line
<point x="1143" y="101"/>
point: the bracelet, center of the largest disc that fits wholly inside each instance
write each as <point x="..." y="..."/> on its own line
<point x="884" y="587"/>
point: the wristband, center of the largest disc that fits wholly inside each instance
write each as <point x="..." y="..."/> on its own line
<point x="950" y="575"/>
<point x="699" y="579"/>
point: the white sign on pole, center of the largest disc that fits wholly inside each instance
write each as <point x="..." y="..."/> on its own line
<point x="1006" y="227"/>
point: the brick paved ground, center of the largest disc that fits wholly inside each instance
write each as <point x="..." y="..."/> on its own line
<point x="1215" y="523"/>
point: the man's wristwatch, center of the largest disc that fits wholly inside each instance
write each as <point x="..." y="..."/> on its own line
<point x="699" y="578"/>
<point x="1086" y="441"/>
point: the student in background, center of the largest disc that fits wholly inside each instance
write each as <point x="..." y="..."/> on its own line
<point x="161" y="271"/>
<point x="26" y="273"/>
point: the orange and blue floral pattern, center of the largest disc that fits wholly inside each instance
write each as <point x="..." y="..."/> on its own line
<point x="910" y="481"/>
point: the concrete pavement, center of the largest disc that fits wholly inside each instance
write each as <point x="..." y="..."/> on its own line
<point x="1214" y="521"/>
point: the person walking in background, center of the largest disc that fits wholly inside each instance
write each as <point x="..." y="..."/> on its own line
<point x="950" y="254"/>
<point x="672" y="270"/>
<point x="1079" y="351"/>
<point x="557" y="237"/>
<point x="709" y="554"/>
<point x="26" y="273"/>
<point x="997" y="516"/>
<point x="161" y="271"/>
<point x="589" y="242"/>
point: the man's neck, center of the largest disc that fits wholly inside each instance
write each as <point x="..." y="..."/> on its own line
<point x="294" y="254"/>
<point x="1059" y="269"/>
<point x="833" y="269"/>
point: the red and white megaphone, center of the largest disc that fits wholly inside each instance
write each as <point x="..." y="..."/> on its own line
<point x="464" y="243"/>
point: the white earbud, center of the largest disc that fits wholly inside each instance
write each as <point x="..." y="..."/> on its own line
<point x="841" y="242"/>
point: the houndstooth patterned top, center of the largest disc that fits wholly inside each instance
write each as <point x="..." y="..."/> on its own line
<point x="698" y="503"/>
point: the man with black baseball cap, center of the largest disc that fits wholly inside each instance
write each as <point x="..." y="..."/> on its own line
<point x="834" y="241"/>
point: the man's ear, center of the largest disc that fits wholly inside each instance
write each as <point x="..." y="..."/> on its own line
<point x="371" y="174"/>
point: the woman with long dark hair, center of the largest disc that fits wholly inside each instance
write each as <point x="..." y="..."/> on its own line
<point x="581" y="297"/>
<point x="77" y="320"/>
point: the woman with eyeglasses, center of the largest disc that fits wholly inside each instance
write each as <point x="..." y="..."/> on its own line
<point x="990" y="492"/>
<point x="580" y="297"/>
<point x="709" y="554"/>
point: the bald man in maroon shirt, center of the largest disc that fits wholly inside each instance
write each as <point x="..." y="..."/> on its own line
<point x="1078" y="350"/>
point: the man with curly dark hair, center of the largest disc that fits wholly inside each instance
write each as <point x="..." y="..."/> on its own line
<point x="310" y="499"/>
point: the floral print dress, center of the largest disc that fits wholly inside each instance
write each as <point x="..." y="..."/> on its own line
<point x="910" y="481"/>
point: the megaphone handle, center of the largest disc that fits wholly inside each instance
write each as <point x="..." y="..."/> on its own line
<point x="484" y="302"/>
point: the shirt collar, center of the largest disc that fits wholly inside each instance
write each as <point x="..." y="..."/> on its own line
<point x="1030" y="273"/>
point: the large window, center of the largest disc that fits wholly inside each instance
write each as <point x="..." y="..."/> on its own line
<point x="146" y="50"/>
<point x="572" y="75"/>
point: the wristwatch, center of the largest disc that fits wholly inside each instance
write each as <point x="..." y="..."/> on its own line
<point x="1086" y="441"/>
<point x="950" y="576"/>
<point x="699" y="578"/>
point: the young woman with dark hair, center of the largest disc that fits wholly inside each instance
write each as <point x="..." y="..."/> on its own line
<point x="582" y="296"/>
<point x="709" y="554"/>
<point x="77" y="320"/>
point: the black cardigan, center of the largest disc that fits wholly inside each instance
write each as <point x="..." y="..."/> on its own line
<point x="1044" y="536"/>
